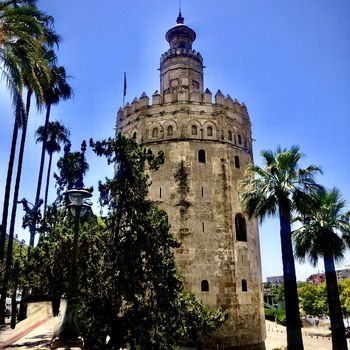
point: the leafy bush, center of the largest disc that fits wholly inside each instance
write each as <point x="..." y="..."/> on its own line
<point x="278" y="315"/>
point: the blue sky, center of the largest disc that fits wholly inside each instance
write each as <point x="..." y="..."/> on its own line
<point x="287" y="60"/>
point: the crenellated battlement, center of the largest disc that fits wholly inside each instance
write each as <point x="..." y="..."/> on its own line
<point x="221" y="119"/>
<point x="183" y="52"/>
<point x="183" y="96"/>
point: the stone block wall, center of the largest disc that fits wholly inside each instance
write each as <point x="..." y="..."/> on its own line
<point x="207" y="147"/>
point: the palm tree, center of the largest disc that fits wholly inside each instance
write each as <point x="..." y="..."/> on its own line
<point x="52" y="136"/>
<point x="20" y="30"/>
<point x="279" y="188"/>
<point x="24" y="64"/>
<point x="19" y="46"/>
<point x="71" y="167"/>
<point x="35" y="78"/>
<point x="325" y="232"/>
<point x="57" y="89"/>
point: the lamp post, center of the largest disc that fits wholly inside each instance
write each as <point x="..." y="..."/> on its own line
<point x="68" y="334"/>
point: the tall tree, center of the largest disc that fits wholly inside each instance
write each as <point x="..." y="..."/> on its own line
<point x="19" y="46"/>
<point x="34" y="75"/>
<point x="52" y="135"/>
<point x="147" y="307"/>
<point x="70" y="166"/>
<point x="35" y="78"/>
<point x="278" y="188"/>
<point x="22" y="32"/>
<point x="57" y="89"/>
<point x="325" y="232"/>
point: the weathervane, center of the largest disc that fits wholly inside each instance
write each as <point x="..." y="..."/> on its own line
<point x="180" y="19"/>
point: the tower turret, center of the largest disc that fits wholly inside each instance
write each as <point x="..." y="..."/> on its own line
<point x="207" y="143"/>
<point x="181" y="67"/>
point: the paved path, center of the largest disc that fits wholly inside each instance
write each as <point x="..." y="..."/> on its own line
<point x="36" y="333"/>
<point x="313" y="338"/>
<point x="33" y="333"/>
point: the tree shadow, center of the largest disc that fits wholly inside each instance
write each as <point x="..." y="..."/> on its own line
<point x="39" y="340"/>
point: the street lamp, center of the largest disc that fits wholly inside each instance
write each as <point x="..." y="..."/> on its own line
<point x="68" y="334"/>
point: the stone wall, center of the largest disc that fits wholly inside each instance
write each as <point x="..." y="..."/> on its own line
<point x="207" y="147"/>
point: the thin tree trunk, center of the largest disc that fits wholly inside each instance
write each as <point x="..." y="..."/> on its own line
<point x="14" y="204"/>
<point x="47" y="182"/>
<point x="335" y="313"/>
<point x="294" y="337"/>
<point x="7" y="191"/>
<point x="42" y="158"/>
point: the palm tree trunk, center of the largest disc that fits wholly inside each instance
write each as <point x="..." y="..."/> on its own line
<point x="7" y="191"/>
<point x="42" y="160"/>
<point x="14" y="202"/>
<point x="47" y="182"/>
<point x="294" y="337"/>
<point x="335" y="313"/>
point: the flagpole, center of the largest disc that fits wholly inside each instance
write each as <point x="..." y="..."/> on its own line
<point x="124" y="92"/>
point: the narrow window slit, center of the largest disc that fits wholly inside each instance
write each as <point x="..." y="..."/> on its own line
<point x="205" y="286"/>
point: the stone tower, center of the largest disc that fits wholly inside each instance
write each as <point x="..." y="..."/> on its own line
<point x="207" y="146"/>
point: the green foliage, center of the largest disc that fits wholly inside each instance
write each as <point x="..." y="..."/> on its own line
<point x="128" y="285"/>
<point x="313" y="300"/>
<point x="52" y="134"/>
<point x="279" y="188"/>
<point x="344" y="289"/>
<point x="150" y="308"/>
<point x="51" y="257"/>
<point x="23" y="29"/>
<point x="278" y="292"/>
<point x="325" y="228"/>
<point x="20" y="259"/>
<point x="325" y="232"/>
<point x="181" y="178"/>
<point x="70" y="166"/>
<point x="278" y="315"/>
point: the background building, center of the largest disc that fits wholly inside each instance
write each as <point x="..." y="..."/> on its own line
<point x="343" y="272"/>
<point x="207" y="146"/>
<point x="316" y="278"/>
<point x="275" y="279"/>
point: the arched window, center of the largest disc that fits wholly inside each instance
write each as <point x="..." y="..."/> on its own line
<point x="237" y="163"/>
<point x="241" y="228"/>
<point x="155" y="132"/>
<point x="244" y="286"/>
<point x="229" y="135"/>
<point x="170" y="130"/>
<point x="239" y="139"/>
<point x="209" y="131"/>
<point x="201" y="156"/>
<point x="205" y="286"/>
<point x="194" y="130"/>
